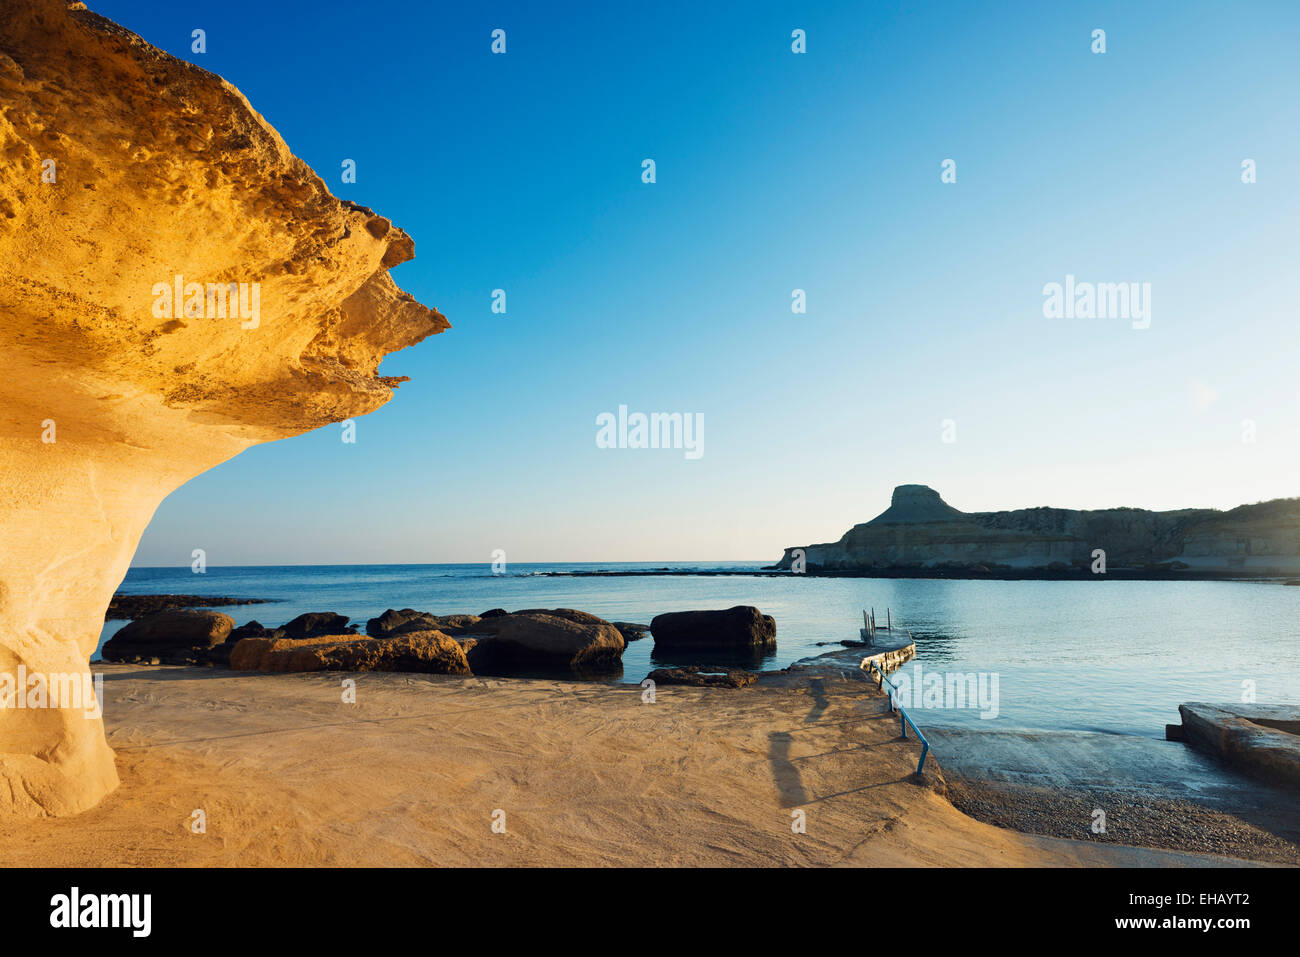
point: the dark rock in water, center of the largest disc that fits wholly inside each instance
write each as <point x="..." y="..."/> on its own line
<point x="178" y="637"/>
<point x="743" y="626"/>
<point x="408" y="621"/>
<point x="418" y="623"/>
<point x="703" y="677"/>
<point x="494" y="613"/>
<point x="454" y="625"/>
<point x="317" y="624"/>
<point x="389" y="621"/>
<point x="254" y="629"/>
<point x="137" y="606"/>
<point x="630" y="630"/>
<point x="426" y="652"/>
<point x="559" y="639"/>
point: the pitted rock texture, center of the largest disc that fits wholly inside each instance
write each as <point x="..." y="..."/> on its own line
<point x="122" y="168"/>
<point x="421" y="651"/>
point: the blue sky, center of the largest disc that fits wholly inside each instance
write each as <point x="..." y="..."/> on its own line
<point x="775" y="171"/>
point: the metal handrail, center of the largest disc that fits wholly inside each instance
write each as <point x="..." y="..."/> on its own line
<point x="904" y="718"/>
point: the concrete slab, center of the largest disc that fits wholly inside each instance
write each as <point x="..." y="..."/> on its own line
<point x="1260" y="740"/>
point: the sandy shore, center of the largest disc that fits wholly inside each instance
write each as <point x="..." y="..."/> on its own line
<point x="587" y="774"/>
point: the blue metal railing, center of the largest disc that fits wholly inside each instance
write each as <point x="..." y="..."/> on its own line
<point x="904" y="718"/>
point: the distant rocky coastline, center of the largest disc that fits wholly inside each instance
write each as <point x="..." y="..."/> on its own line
<point x="123" y="607"/>
<point x="921" y="535"/>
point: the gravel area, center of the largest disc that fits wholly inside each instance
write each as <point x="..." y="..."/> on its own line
<point x="1131" y="819"/>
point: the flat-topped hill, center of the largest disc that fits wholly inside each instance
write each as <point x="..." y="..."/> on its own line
<point x="921" y="531"/>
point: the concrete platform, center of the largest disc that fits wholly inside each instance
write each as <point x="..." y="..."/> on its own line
<point x="1260" y="740"/>
<point x="890" y="651"/>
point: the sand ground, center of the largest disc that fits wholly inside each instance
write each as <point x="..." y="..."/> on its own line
<point x="286" y="773"/>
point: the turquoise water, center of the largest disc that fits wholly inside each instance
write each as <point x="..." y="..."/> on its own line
<point x="1094" y="655"/>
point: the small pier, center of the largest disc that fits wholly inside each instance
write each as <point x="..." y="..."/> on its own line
<point x="1260" y="740"/>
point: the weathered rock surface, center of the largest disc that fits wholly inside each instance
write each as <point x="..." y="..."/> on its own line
<point x="220" y="654"/>
<point x="920" y="530"/>
<point x="121" y="168"/>
<point x="425" y="651"/>
<point x="558" y="639"/>
<point x="454" y="624"/>
<point x="743" y="627"/>
<point x="170" y="636"/>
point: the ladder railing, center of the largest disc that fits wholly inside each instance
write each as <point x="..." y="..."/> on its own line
<point x="904" y="718"/>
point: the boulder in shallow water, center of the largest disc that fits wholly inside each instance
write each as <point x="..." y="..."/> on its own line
<point x="741" y="627"/>
<point x="254" y="629"/>
<point x="703" y="677"/>
<point x="559" y="639"/>
<point x="449" y="625"/>
<point x="317" y="624"/>
<point x="169" y="635"/>
<point x="384" y="625"/>
<point x="408" y="621"/>
<point x="429" y="652"/>
<point x="630" y="630"/>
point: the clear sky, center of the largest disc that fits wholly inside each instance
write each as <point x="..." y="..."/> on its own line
<point x="775" y="171"/>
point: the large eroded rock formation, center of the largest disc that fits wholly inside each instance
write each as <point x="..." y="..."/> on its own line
<point x="122" y="168"/>
<point x="920" y="530"/>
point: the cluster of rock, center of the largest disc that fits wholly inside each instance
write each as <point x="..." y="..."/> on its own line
<point x="497" y="642"/>
<point x="921" y="532"/>
<point x="190" y="637"/>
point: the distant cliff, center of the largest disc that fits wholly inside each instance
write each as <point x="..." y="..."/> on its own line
<point x="920" y="531"/>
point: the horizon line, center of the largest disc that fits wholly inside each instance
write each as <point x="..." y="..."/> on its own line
<point x="638" y="561"/>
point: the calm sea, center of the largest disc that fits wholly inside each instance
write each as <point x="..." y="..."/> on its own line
<point x="1092" y="655"/>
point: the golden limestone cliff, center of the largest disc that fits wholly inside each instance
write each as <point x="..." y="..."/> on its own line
<point x="175" y="286"/>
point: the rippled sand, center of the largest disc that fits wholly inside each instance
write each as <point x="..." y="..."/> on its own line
<point x="286" y="773"/>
